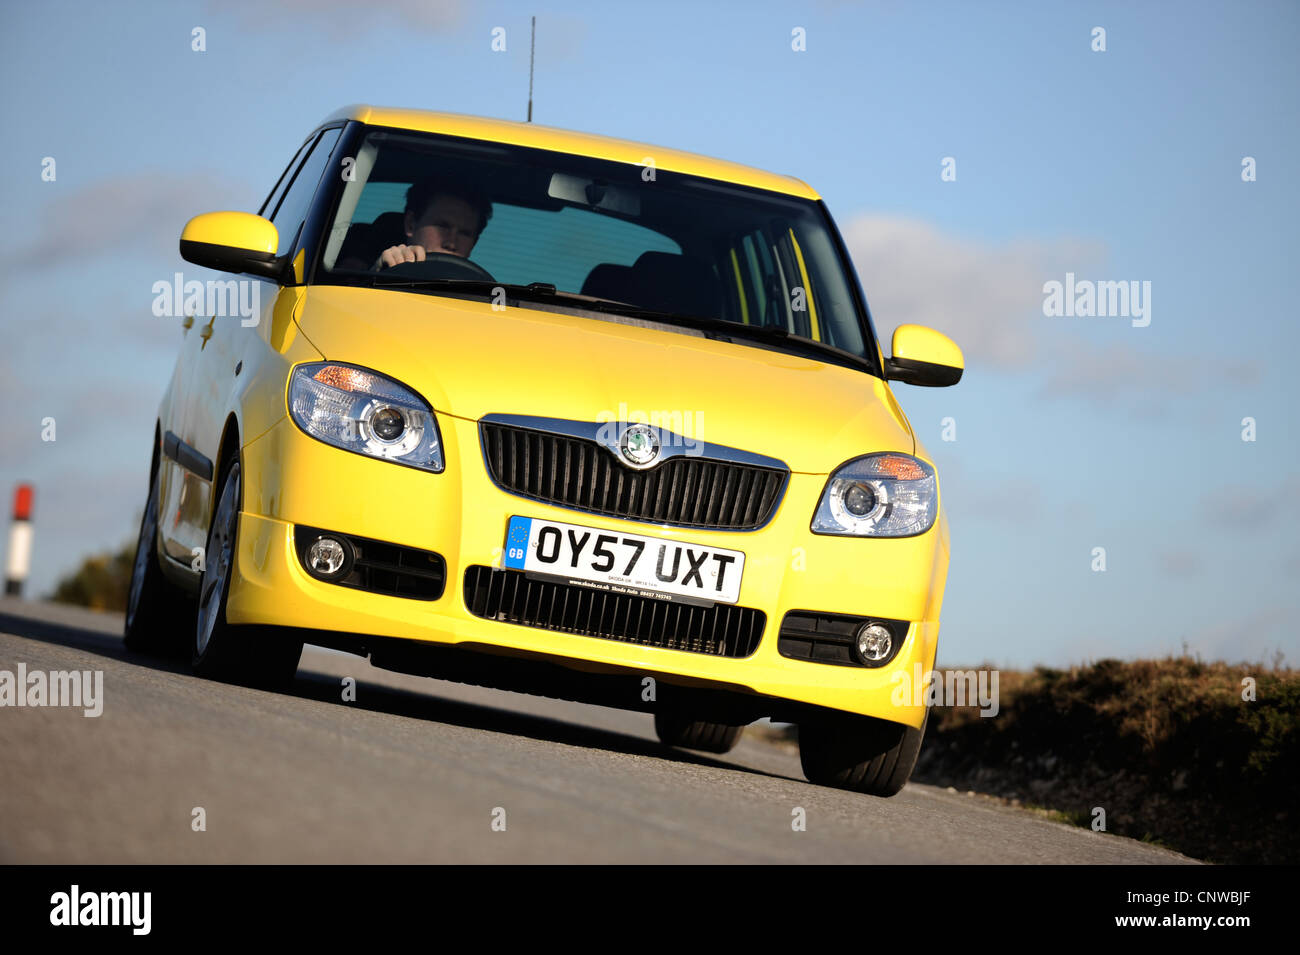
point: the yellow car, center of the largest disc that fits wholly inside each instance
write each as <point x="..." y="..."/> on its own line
<point x="556" y="413"/>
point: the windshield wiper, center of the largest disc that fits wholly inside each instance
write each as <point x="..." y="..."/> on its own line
<point x="546" y="292"/>
<point x="463" y="285"/>
<point x="769" y="334"/>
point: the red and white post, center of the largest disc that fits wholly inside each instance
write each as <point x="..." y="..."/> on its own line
<point x="19" y="559"/>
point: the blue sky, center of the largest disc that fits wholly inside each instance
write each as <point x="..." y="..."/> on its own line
<point x="1071" y="433"/>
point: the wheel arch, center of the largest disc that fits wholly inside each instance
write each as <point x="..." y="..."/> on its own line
<point x="228" y="447"/>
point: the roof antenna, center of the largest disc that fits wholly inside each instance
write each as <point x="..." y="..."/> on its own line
<point x="532" y="45"/>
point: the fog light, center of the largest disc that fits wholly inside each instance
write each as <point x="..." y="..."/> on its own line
<point x="327" y="557"/>
<point x="874" y="642"/>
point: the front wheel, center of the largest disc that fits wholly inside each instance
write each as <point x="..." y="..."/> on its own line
<point x="860" y="753"/>
<point x="220" y="651"/>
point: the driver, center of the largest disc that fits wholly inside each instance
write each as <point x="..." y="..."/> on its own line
<point x="443" y="215"/>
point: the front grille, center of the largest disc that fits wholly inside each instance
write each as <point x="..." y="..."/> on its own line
<point x="831" y="637"/>
<point x="578" y="473"/>
<point x="508" y="595"/>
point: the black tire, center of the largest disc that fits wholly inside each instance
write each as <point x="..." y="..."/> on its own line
<point x="252" y="656"/>
<point x="860" y="753"/>
<point x="674" y="729"/>
<point x="159" y="615"/>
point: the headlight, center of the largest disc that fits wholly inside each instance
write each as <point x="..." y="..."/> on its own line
<point x="880" y="495"/>
<point x="362" y="411"/>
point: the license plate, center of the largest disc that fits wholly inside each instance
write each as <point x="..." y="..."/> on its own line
<point x="624" y="563"/>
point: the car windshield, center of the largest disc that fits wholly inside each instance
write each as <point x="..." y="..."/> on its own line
<point x="595" y="235"/>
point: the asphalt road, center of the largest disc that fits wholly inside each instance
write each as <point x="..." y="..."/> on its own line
<point x="417" y="770"/>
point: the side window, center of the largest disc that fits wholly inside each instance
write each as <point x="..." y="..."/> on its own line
<point x="297" y="198"/>
<point x="768" y="267"/>
<point x="754" y="269"/>
<point x="738" y="300"/>
<point x="805" y="315"/>
<point x="282" y="183"/>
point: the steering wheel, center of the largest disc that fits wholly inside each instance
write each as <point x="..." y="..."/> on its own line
<point x="441" y="265"/>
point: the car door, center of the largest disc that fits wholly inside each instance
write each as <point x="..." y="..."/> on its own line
<point x="235" y="334"/>
<point x="175" y="479"/>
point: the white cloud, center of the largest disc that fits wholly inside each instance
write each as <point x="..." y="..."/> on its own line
<point x="1179" y="563"/>
<point x="145" y="212"/>
<point x="1248" y="507"/>
<point x="987" y="298"/>
<point x="1115" y="372"/>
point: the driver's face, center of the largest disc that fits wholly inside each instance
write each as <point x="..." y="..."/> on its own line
<point x="449" y="225"/>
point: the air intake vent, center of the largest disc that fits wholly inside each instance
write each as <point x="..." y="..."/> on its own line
<point x="509" y="596"/>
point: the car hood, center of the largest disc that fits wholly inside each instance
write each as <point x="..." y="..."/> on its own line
<point x="468" y="360"/>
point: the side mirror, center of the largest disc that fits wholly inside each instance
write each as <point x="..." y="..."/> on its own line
<point x="232" y="242"/>
<point x="923" y="356"/>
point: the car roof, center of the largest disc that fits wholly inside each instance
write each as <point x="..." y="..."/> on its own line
<point x="564" y="140"/>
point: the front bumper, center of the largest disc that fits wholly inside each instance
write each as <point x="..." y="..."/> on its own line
<point x="292" y="479"/>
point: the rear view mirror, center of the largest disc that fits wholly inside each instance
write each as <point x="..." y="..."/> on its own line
<point x="925" y="357"/>
<point x="232" y="242"/>
<point x="594" y="193"/>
